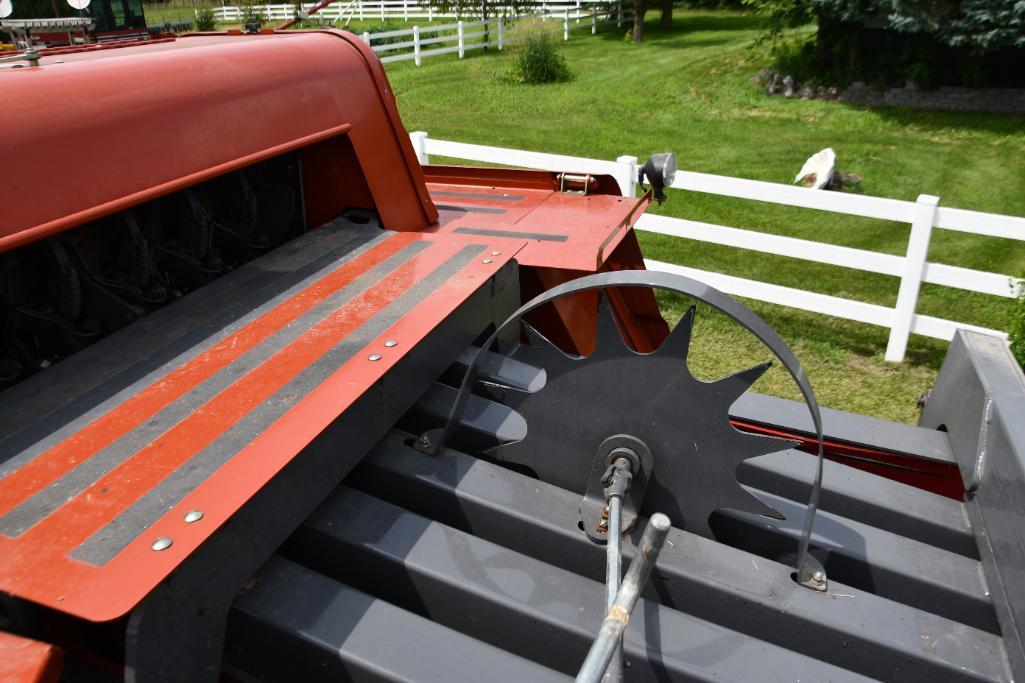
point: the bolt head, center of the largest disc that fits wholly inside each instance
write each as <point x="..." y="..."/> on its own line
<point x="374" y="356"/>
<point x="424" y="440"/>
<point x="818" y="576"/>
<point x="193" y="516"/>
<point x="162" y="544"/>
<point x="390" y="343"/>
<point x="488" y="260"/>
<point x="496" y="253"/>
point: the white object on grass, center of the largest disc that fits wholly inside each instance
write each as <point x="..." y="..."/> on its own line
<point x="818" y="170"/>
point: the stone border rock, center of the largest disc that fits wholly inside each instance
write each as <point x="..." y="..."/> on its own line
<point x="988" y="100"/>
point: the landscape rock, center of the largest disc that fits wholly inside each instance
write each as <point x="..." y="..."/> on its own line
<point x="843" y="180"/>
<point x="788" y="86"/>
<point x="995" y="100"/>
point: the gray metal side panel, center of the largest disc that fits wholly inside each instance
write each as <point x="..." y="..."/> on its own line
<point x="980" y="399"/>
<point x="860" y="429"/>
<point x="297" y="625"/>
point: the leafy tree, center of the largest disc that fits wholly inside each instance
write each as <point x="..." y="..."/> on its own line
<point x="36" y="9"/>
<point x="891" y="42"/>
<point x="485" y="9"/>
<point x="978" y="25"/>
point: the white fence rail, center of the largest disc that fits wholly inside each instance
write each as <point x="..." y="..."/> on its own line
<point x="913" y="269"/>
<point x="405" y="10"/>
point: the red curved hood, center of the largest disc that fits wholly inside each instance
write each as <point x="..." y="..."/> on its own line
<point x="87" y="134"/>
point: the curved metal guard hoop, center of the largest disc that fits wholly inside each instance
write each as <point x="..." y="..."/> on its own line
<point x="433" y="441"/>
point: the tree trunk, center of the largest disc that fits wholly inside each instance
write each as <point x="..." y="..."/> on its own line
<point x="640" y="7"/>
<point x="666" y="21"/>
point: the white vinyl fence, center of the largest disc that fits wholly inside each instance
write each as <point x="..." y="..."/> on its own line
<point x="578" y="11"/>
<point x="419" y="42"/>
<point x="913" y="269"/>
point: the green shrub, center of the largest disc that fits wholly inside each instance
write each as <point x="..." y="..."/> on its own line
<point x="251" y="14"/>
<point x="795" y="56"/>
<point x="1017" y="331"/>
<point x="205" y="20"/>
<point x="538" y="57"/>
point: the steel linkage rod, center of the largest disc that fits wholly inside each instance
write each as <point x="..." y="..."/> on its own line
<point x="617" y="482"/>
<point x="610" y="634"/>
<point x="613" y="573"/>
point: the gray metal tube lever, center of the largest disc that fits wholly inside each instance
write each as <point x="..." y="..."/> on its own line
<point x="614" y="624"/>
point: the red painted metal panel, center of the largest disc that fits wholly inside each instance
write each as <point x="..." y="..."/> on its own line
<point x="939" y="477"/>
<point x="565" y="231"/>
<point x="28" y="661"/>
<point x="43" y="562"/>
<point x="195" y="104"/>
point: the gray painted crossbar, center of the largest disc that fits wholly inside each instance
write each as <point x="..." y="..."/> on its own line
<point x="847" y="627"/>
<point x="868" y="498"/>
<point x="297" y="625"/>
<point x="523" y="605"/>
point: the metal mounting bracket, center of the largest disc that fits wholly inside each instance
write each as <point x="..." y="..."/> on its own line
<point x="593" y="502"/>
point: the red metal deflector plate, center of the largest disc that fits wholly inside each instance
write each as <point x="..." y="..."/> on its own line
<point x="562" y="230"/>
<point x="28" y="661"/>
<point x="78" y="519"/>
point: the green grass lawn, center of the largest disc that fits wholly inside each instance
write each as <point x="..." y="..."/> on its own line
<point x="174" y="11"/>
<point x="689" y="90"/>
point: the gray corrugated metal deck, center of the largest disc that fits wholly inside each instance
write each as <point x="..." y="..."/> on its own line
<point x="850" y="627"/>
<point x="495" y="556"/>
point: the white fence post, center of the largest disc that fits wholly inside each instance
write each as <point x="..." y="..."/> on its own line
<point x="594" y="22"/>
<point x="366" y="38"/>
<point x="359" y="5"/>
<point x="499" y="31"/>
<point x="416" y="47"/>
<point x="565" y="25"/>
<point x="619" y="14"/>
<point x="419" y="140"/>
<point x="430" y="13"/>
<point x="626" y="174"/>
<point x="462" y="44"/>
<point x="382" y="9"/>
<point x="911" y="278"/>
